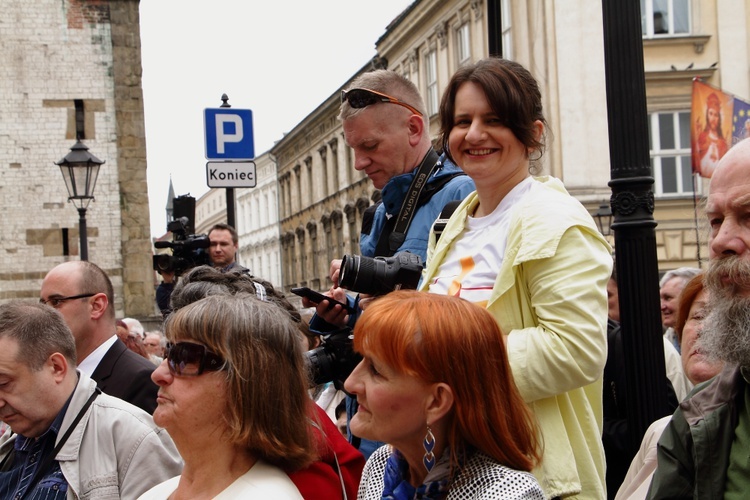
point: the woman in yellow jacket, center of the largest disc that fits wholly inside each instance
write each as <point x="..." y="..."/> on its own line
<point x="531" y="254"/>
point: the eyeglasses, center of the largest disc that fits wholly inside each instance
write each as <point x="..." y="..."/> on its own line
<point x="189" y="359"/>
<point x="361" y="98"/>
<point x="57" y="301"/>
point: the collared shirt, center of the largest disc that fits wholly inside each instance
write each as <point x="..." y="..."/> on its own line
<point x="29" y="453"/>
<point x="88" y="364"/>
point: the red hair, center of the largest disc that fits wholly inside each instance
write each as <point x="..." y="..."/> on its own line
<point x="687" y="296"/>
<point x="438" y="338"/>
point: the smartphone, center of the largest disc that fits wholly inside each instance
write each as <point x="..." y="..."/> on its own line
<point x="317" y="298"/>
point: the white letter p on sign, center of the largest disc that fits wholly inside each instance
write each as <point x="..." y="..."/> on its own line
<point x="222" y="137"/>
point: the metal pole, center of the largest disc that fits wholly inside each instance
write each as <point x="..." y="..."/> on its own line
<point x="632" y="203"/>
<point x="82" y="234"/>
<point x="495" y="28"/>
<point x="229" y="191"/>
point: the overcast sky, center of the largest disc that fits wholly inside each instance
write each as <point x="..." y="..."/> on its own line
<point x="281" y="59"/>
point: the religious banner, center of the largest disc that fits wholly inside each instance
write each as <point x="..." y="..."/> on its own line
<point x="710" y="135"/>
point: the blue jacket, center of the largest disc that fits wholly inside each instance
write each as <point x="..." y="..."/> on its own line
<point x="393" y="195"/>
<point x="417" y="236"/>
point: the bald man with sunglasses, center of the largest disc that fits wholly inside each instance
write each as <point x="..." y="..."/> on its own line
<point x="386" y="126"/>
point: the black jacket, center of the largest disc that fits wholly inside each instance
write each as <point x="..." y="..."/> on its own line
<point x="126" y="375"/>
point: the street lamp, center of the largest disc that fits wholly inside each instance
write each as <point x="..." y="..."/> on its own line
<point x="604" y="219"/>
<point x="79" y="170"/>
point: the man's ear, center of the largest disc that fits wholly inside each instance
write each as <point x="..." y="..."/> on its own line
<point x="416" y="129"/>
<point x="58" y="366"/>
<point x="99" y="303"/>
<point x="440" y="402"/>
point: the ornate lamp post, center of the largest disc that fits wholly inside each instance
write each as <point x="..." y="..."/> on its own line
<point x="603" y="218"/>
<point x="80" y="170"/>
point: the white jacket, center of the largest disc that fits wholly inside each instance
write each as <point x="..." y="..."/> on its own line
<point x="116" y="450"/>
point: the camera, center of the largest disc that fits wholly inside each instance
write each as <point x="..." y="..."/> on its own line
<point x="380" y="275"/>
<point x="334" y="360"/>
<point x="188" y="250"/>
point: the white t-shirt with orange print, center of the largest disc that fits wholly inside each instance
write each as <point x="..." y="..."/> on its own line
<point x="470" y="267"/>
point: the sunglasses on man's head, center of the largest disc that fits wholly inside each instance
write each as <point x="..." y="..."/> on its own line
<point x="361" y="98"/>
<point x="188" y="359"/>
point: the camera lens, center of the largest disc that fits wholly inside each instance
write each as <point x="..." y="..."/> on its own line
<point x="363" y="274"/>
<point x="163" y="263"/>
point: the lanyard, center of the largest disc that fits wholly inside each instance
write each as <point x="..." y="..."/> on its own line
<point x="394" y="230"/>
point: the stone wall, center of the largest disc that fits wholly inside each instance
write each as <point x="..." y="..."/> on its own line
<point x="58" y="55"/>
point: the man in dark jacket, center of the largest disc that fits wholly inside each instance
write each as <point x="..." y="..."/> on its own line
<point x="703" y="452"/>
<point x="83" y="294"/>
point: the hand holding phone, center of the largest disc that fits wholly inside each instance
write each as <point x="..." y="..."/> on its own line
<point x="317" y="298"/>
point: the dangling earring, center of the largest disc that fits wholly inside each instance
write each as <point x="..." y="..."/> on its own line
<point x="429" y="444"/>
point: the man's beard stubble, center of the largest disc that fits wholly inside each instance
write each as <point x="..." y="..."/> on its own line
<point x="725" y="334"/>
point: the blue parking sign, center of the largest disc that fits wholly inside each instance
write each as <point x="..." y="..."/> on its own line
<point x="229" y="134"/>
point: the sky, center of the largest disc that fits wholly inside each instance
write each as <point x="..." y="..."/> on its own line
<point x="280" y="59"/>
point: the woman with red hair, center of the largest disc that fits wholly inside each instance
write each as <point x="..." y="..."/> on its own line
<point x="435" y="384"/>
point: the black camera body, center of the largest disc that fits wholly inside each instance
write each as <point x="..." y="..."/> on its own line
<point x="380" y="275"/>
<point x="335" y="359"/>
<point x="188" y="250"/>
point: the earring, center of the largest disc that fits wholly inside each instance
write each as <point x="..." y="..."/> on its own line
<point x="429" y="444"/>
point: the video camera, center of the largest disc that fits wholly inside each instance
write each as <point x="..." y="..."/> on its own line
<point x="188" y="250"/>
<point x="335" y="359"/>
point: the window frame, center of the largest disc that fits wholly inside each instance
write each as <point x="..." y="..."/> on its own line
<point x="431" y="81"/>
<point x="681" y="153"/>
<point x="463" y="44"/>
<point x="647" y="17"/>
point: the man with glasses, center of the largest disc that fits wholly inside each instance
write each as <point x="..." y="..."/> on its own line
<point x="386" y="126"/>
<point x="68" y="440"/>
<point x="83" y="294"/>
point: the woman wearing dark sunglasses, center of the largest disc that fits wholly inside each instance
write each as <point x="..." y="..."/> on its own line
<point x="232" y="394"/>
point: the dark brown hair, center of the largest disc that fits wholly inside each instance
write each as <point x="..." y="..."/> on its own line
<point x="513" y="95"/>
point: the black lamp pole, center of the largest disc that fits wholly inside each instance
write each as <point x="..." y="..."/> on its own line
<point x="83" y="233"/>
<point x="80" y="169"/>
<point x="632" y="203"/>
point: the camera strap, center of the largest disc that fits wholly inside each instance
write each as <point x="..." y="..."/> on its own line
<point x="395" y="228"/>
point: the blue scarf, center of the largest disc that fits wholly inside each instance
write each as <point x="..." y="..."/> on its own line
<point x="397" y="487"/>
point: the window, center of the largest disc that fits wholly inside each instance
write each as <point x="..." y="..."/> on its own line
<point x="669" y="143"/>
<point x="431" y="81"/>
<point x="505" y="21"/>
<point x="463" y="49"/>
<point x="661" y="18"/>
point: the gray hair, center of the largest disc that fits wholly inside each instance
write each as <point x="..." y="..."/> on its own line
<point x="39" y="330"/>
<point x="684" y="273"/>
<point x="391" y="83"/>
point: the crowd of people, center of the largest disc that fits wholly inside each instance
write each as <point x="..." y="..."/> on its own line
<point x="498" y="377"/>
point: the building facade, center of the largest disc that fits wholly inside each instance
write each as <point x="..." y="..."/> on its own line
<point x="72" y="69"/>
<point x="257" y="220"/>
<point x="321" y="196"/>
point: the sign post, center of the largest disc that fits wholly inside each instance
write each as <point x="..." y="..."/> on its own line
<point x="229" y="139"/>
